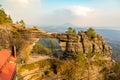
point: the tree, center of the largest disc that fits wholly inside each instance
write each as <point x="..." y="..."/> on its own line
<point x="91" y="33"/>
<point x="22" y="23"/>
<point x="4" y="18"/>
<point x="9" y="19"/>
<point x="17" y="22"/>
<point x="71" y="31"/>
<point x="74" y="31"/>
<point x="35" y="27"/>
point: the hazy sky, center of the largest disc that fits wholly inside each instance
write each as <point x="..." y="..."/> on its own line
<point x="57" y="12"/>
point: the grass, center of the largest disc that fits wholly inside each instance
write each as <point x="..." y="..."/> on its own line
<point x="40" y="64"/>
<point x="70" y="69"/>
<point x="52" y="67"/>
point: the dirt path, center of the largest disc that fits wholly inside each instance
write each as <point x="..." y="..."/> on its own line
<point x="36" y="58"/>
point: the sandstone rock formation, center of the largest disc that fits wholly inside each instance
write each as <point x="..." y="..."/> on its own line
<point x="82" y="43"/>
<point x="5" y="37"/>
<point x="70" y="44"/>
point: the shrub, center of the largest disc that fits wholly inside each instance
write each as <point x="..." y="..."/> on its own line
<point x="80" y="58"/>
<point x="117" y="67"/>
<point x="40" y="49"/>
<point x="116" y="70"/>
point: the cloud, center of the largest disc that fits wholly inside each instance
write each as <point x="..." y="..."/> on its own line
<point x="23" y="3"/>
<point x="81" y="15"/>
<point x="75" y="11"/>
<point x="18" y="3"/>
<point x="96" y="13"/>
<point x="72" y="14"/>
<point x="80" y="10"/>
<point x="28" y="10"/>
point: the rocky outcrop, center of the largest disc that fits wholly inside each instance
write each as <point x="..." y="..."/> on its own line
<point x="82" y="43"/>
<point x="70" y="44"/>
<point x="79" y="66"/>
<point x="11" y="34"/>
<point x="5" y="37"/>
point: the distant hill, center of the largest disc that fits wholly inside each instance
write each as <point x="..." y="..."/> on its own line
<point x="107" y="33"/>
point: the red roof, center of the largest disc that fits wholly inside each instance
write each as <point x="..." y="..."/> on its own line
<point x="4" y="55"/>
<point x="7" y="65"/>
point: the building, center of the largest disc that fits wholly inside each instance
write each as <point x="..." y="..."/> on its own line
<point x="7" y="65"/>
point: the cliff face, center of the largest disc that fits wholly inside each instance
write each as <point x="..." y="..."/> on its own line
<point x="13" y="34"/>
<point x="70" y="44"/>
<point x="92" y="52"/>
<point x="5" y="37"/>
<point x="75" y="63"/>
<point x="75" y="69"/>
<point x="82" y="43"/>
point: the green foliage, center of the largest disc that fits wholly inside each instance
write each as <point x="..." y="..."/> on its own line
<point x="42" y="64"/>
<point x="113" y="77"/>
<point x="74" y="31"/>
<point x="117" y="68"/>
<point x="98" y="60"/>
<point x="9" y="19"/>
<point x="35" y="27"/>
<point x="115" y="73"/>
<point x="46" y="72"/>
<point x="71" y="31"/>
<point x="52" y="67"/>
<point x="22" y="22"/>
<point x="89" y="55"/>
<point x="91" y="33"/>
<point x="4" y="18"/>
<point x="40" y="49"/>
<point x="80" y="58"/>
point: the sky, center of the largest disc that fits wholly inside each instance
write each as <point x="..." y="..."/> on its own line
<point x="98" y="13"/>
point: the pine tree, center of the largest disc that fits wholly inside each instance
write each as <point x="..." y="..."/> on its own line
<point x="4" y="18"/>
<point x="9" y="19"/>
<point x="91" y="33"/>
<point x="22" y="22"/>
<point x="74" y="31"/>
<point x="71" y="31"/>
